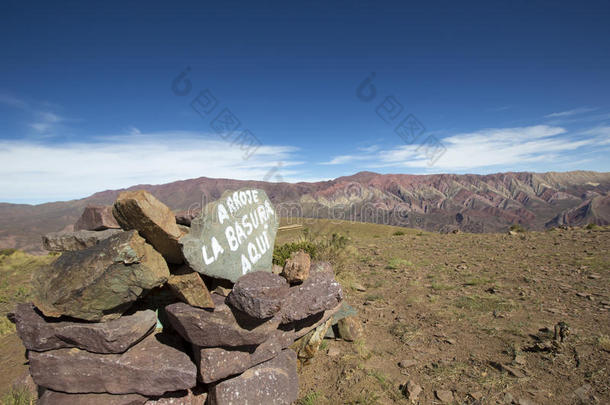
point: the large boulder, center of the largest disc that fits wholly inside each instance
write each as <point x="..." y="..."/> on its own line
<point x="232" y="236"/>
<point x="78" y="240"/>
<point x="318" y="293"/>
<point x="190" y="288"/>
<point x="141" y="211"/>
<point x="101" y="282"/>
<point x="96" y="218"/>
<point x="259" y="294"/>
<point x="114" y="336"/>
<point x="151" y="367"/>
<point x="216" y="363"/>
<point x="222" y="326"/>
<point x="50" y="397"/>
<point x="272" y="382"/>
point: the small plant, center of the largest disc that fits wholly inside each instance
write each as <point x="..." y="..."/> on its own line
<point x="7" y="252"/>
<point x="397" y="263"/>
<point x="18" y="396"/>
<point x="604" y="342"/>
<point x="591" y="226"/>
<point x="373" y="297"/>
<point x="6" y="326"/>
<point x="398" y="233"/>
<point x="310" y="399"/>
<point x="283" y="252"/>
<point x="517" y="228"/>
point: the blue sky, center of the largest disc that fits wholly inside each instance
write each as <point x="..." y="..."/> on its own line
<point x="91" y="96"/>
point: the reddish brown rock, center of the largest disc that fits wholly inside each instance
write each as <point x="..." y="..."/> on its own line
<point x="151" y="367"/>
<point x="78" y="240"/>
<point x="156" y="223"/>
<point x="260" y="294"/>
<point x="216" y="363"/>
<point x="96" y="218"/>
<point x="318" y="293"/>
<point x="190" y="288"/>
<point x="186" y="217"/>
<point x="101" y="282"/>
<point x="222" y="326"/>
<point x="50" y="397"/>
<point x="296" y="269"/>
<point x="114" y="336"/>
<point x="272" y="382"/>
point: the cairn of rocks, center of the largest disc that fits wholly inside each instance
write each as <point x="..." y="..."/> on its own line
<point x="140" y="309"/>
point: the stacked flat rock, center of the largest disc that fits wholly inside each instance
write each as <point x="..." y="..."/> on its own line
<point x="124" y="316"/>
<point x="245" y="340"/>
<point x="87" y="342"/>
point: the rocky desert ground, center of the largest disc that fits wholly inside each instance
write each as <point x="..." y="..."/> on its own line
<point x="502" y="318"/>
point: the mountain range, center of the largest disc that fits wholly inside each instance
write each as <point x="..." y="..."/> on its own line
<point x="437" y="202"/>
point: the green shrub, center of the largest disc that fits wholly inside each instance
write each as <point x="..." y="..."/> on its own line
<point x="18" y="396"/>
<point x="283" y="252"/>
<point x="517" y="228"/>
<point x="333" y="249"/>
<point x="591" y="226"/>
<point x="397" y="263"/>
<point x="398" y="233"/>
<point x="7" y="252"/>
<point x="310" y="399"/>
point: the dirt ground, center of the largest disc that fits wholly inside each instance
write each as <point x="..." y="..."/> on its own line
<point x="460" y="315"/>
<point x="466" y="313"/>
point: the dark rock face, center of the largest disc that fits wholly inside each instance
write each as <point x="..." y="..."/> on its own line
<point x="195" y="396"/>
<point x="222" y="326"/>
<point x="101" y="282"/>
<point x="190" y="288"/>
<point x="61" y="398"/>
<point x="150" y="368"/>
<point x="296" y="269"/>
<point x="114" y="336"/>
<point x="299" y="328"/>
<point x="259" y="294"/>
<point x="185" y="217"/>
<point x="233" y="235"/>
<point x="79" y="240"/>
<point x="272" y="382"/>
<point x="216" y="363"/>
<point x="156" y="223"/>
<point x="96" y="218"/>
<point x="318" y="293"/>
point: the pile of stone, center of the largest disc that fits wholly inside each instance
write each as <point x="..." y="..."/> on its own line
<point x="140" y="309"/>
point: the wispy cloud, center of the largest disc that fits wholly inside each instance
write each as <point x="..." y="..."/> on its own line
<point x="568" y="113"/>
<point x="43" y="120"/>
<point x="481" y="150"/>
<point x="45" y="172"/>
<point x="13" y="101"/>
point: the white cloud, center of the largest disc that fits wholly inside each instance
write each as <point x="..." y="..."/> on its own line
<point x="480" y="150"/>
<point x="575" y="111"/>
<point x="11" y="101"/>
<point x="44" y="172"/>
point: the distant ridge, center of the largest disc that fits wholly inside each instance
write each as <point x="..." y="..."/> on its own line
<point x="438" y="202"/>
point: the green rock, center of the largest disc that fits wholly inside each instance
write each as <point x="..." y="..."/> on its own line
<point x="232" y="236"/>
<point x="101" y="282"/>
